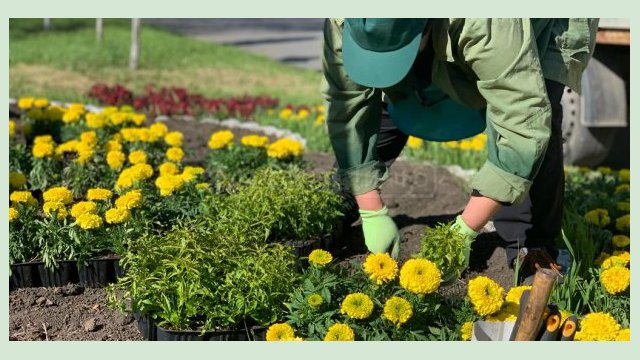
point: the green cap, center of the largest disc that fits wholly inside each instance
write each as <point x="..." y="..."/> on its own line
<point x="380" y="52"/>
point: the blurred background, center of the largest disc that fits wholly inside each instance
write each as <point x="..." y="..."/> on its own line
<point x="63" y="59"/>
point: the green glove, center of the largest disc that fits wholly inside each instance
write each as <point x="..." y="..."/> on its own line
<point x="469" y="235"/>
<point x="380" y="232"/>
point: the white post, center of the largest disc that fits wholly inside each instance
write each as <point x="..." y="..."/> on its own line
<point x="99" y="30"/>
<point x="134" y="58"/>
<point x="47" y="24"/>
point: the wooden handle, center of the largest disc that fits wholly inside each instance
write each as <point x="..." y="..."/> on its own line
<point x="569" y="329"/>
<point x="537" y="303"/>
<point x="524" y="298"/>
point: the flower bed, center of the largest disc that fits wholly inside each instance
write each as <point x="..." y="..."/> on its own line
<point x="84" y="184"/>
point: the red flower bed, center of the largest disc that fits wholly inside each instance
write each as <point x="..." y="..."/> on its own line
<point x="178" y="101"/>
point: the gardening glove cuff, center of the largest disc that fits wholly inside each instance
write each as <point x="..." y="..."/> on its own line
<point x="380" y="232"/>
<point x="463" y="228"/>
<point x="469" y="236"/>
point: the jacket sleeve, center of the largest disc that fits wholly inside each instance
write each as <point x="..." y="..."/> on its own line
<point x="503" y="55"/>
<point x="353" y="118"/>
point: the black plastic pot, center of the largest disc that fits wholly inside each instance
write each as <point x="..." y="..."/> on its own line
<point x="25" y="275"/>
<point x="118" y="270"/>
<point x="221" y="335"/>
<point x="301" y="250"/>
<point x="66" y="272"/>
<point x="146" y="326"/>
<point x="97" y="272"/>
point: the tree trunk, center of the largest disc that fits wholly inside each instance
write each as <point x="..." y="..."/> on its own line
<point x="47" y="24"/>
<point x="99" y="30"/>
<point x="134" y="58"/>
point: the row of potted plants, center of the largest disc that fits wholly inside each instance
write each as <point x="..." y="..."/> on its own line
<point x="83" y="183"/>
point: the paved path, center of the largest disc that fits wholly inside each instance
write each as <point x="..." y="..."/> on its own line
<point x="294" y="41"/>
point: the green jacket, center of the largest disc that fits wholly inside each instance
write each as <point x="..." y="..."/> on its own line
<point x="497" y="64"/>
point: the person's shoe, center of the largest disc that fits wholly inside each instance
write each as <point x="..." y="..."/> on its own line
<point x="529" y="260"/>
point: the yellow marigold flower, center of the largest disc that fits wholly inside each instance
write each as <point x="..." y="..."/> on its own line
<point x="41" y="102"/>
<point x="77" y="107"/>
<point x="508" y="312"/>
<point x="83" y="207"/>
<point x="168" y="168"/>
<point x="109" y="110"/>
<point x="61" y="194"/>
<point x="130" y="134"/>
<point x="220" y="140"/>
<point x="415" y="142"/>
<point x="285" y="148"/>
<point x="202" y="186"/>
<point x="175" y="154"/>
<point x="420" y="276"/>
<point x="303" y="114"/>
<point x="67" y="147"/>
<point x="118" y="118"/>
<point x="624" y="335"/>
<point x="614" y="261"/>
<point x="466" y="330"/>
<point x="598" y="327"/>
<point x="357" y="306"/>
<point x="397" y="310"/>
<point x="85" y="152"/>
<point x="485" y="295"/>
<point x="71" y="116"/>
<point x="280" y="332"/>
<point x="598" y="217"/>
<point x="115" y="159"/>
<point x="621" y="241"/>
<point x="320" y="120"/>
<point x="381" y="268"/>
<point x="622" y="223"/>
<point x="42" y="139"/>
<point x="99" y="194"/>
<point x="56" y="207"/>
<point x="339" y="332"/>
<point x="320" y="109"/>
<point x="624" y="255"/>
<point x="17" y="180"/>
<point x="22" y="197"/>
<point x="95" y="121"/>
<point x="624" y="206"/>
<point x="12" y="128"/>
<point x="158" y="131"/>
<point x="138" y="119"/>
<point x="89" y="138"/>
<point x="89" y="221"/>
<point x="624" y="175"/>
<point x="129" y="200"/>
<point x="131" y="175"/>
<point x="622" y="188"/>
<point x="13" y="214"/>
<point x="43" y="150"/>
<point x="138" y="157"/>
<point x="515" y="293"/>
<point x="168" y="184"/>
<point x="254" y="141"/>
<point x="315" y="300"/>
<point x="616" y="279"/>
<point x="25" y="103"/>
<point x="174" y="138"/>
<point x="286" y="113"/>
<point x="113" y="145"/>
<point x="320" y="257"/>
<point x="117" y="215"/>
<point x="191" y="172"/>
<point x="450" y="144"/>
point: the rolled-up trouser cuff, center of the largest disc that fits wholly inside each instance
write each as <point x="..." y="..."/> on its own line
<point x="363" y="178"/>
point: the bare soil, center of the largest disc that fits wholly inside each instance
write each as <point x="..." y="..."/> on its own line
<point x="417" y="196"/>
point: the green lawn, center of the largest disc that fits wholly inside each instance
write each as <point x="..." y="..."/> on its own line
<point x="63" y="63"/>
